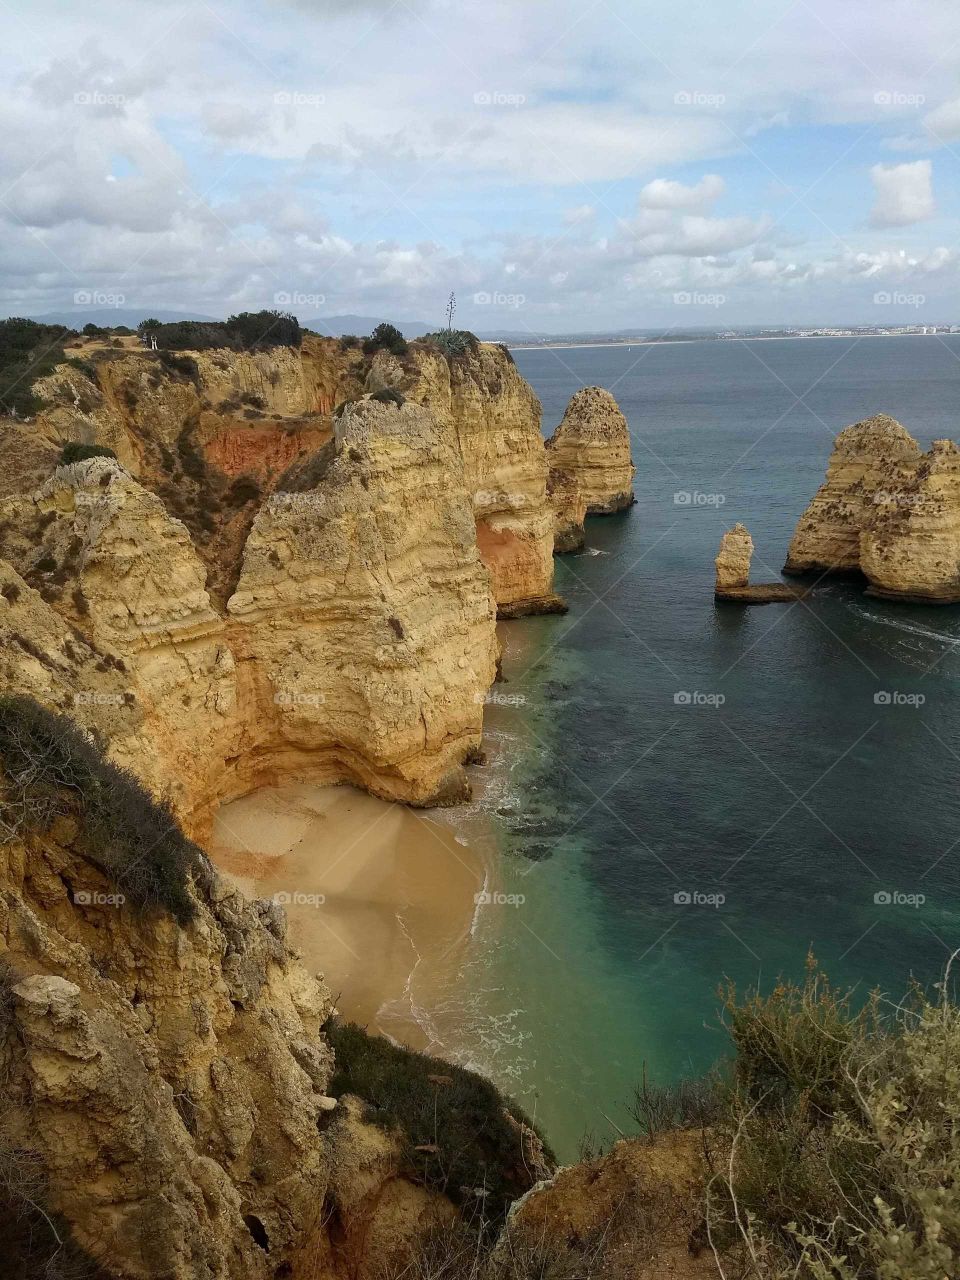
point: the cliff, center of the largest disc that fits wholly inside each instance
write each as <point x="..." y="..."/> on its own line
<point x="870" y="456"/>
<point x="910" y="544"/>
<point x="590" y="464"/>
<point x="493" y="416"/>
<point x="357" y="647"/>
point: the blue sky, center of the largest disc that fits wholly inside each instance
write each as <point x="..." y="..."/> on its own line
<point x="560" y="166"/>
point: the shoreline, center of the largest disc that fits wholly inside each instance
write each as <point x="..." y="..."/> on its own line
<point x="689" y="342"/>
<point x="380" y="900"/>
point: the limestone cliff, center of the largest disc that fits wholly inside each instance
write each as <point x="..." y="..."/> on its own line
<point x="590" y="465"/>
<point x="493" y="416"/>
<point x="910" y="542"/>
<point x="876" y="454"/>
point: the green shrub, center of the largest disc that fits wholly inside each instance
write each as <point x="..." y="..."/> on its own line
<point x="243" y="490"/>
<point x="349" y="341"/>
<point x="453" y="342"/>
<point x="839" y="1152"/>
<point x="50" y="768"/>
<point x="388" y="395"/>
<point x="456" y="1130"/>
<point x="183" y="368"/>
<point x="385" y="337"/>
<point x="74" y="451"/>
<point x="252" y="330"/>
<point x="28" y="351"/>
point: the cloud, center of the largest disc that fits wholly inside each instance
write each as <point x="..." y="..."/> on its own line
<point x="944" y="122"/>
<point x="904" y="193"/>
<point x="577" y="216"/>
<point x="663" y="193"/>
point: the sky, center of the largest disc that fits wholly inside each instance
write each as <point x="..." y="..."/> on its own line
<point x="560" y="166"/>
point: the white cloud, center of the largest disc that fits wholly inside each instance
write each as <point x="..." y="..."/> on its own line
<point x="904" y="193"/>
<point x="577" y="216"/>
<point x="944" y="122"/>
<point x="663" y="193"/>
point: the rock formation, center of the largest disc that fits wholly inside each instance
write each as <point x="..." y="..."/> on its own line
<point x="590" y="466"/>
<point x="569" y="511"/>
<point x="494" y="417"/>
<point x="910" y="542"/>
<point x="733" y="573"/>
<point x="872" y="455"/>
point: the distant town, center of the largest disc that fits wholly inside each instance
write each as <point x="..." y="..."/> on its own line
<point x="706" y="335"/>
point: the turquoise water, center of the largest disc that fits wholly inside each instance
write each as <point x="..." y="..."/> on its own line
<point x="798" y="798"/>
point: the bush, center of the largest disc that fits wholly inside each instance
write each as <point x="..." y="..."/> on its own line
<point x="50" y="768"/>
<point x="349" y="341"/>
<point x="183" y="368"/>
<point x="74" y="451"/>
<point x="28" y="351"/>
<point x="247" y="331"/>
<point x="388" y="395"/>
<point x="243" y="490"/>
<point x="453" y="342"/>
<point x="456" y="1129"/>
<point x="840" y="1149"/>
<point x="385" y="337"/>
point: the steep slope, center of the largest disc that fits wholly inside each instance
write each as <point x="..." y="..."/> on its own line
<point x="589" y="455"/>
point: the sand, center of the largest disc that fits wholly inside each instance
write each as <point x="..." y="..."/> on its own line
<point x="379" y="898"/>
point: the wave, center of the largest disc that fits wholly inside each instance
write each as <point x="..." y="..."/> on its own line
<point x="914" y="629"/>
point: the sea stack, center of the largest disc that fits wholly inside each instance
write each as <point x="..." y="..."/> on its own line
<point x="591" y="472"/>
<point x="876" y="455"/>
<point x="733" y="573"/>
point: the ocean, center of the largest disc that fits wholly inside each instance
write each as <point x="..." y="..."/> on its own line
<point x="683" y="793"/>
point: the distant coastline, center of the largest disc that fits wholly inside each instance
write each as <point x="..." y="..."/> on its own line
<point x="747" y="337"/>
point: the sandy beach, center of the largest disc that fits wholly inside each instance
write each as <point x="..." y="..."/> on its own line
<point x="379" y="898"/>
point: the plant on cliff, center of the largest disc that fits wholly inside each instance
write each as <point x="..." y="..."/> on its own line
<point x="49" y="768"/>
<point x="74" y="451"/>
<point x="453" y="342"/>
<point x="461" y="1136"/>
<point x="839" y="1156"/>
<point x="385" y="337"/>
<point x="388" y="395"/>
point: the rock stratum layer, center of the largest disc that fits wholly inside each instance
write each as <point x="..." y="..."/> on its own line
<point x="888" y="512"/>
<point x="591" y="471"/>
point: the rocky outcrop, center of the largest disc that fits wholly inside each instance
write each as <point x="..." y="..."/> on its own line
<point x="733" y="573"/>
<point x="910" y="541"/>
<point x="569" y="511"/>
<point x="877" y="454"/>
<point x="357" y="647"/>
<point x="493" y="416"/>
<point x="590" y="452"/>
<point x="169" y="1081"/>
